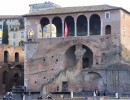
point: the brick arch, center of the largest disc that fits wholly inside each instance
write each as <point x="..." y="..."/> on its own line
<point x="95" y="47"/>
<point x="92" y="80"/>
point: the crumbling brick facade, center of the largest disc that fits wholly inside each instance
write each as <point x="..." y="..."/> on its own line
<point x="11" y="67"/>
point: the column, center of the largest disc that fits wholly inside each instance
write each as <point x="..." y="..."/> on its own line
<point x="101" y="27"/>
<point x="79" y="52"/>
<point x="62" y="28"/>
<point x="75" y="27"/>
<point x="88" y="27"/>
<point x="50" y="29"/>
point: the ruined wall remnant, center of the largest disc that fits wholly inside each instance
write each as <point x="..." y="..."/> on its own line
<point x="11" y="67"/>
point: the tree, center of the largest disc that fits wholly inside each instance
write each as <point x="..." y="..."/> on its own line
<point x="5" y="33"/>
<point x="21" y="21"/>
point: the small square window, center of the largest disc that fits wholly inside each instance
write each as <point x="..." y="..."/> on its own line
<point x="107" y="14"/>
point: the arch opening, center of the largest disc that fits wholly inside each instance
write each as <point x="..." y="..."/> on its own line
<point x="70" y="57"/>
<point x="69" y="20"/>
<point x="87" y="57"/>
<point x="81" y="25"/>
<point x="44" y="28"/>
<point x="57" y="22"/>
<point x="95" y="25"/>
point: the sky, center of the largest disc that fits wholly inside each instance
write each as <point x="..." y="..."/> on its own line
<point x="21" y="7"/>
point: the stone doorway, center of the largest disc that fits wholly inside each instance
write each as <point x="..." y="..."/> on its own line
<point x="64" y="86"/>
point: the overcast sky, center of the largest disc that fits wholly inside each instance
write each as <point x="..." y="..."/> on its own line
<point x="20" y="7"/>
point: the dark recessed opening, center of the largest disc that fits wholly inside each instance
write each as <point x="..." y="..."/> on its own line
<point x="96" y="63"/>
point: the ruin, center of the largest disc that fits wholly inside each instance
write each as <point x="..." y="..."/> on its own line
<point x="96" y="52"/>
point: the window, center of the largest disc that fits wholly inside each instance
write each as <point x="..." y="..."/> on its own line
<point x="0" y="26"/>
<point x="14" y="43"/>
<point x="108" y="29"/>
<point x="5" y="56"/>
<point x="14" y="35"/>
<point x="16" y="57"/>
<point x="30" y="34"/>
<point x="22" y="34"/>
<point x="107" y="14"/>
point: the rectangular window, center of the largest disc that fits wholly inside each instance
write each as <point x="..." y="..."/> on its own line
<point x="14" y="35"/>
<point x="14" y="43"/>
<point x="22" y="34"/>
<point x="107" y="14"/>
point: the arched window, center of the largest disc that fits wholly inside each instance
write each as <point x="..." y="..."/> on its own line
<point x="45" y="25"/>
<point x="95" y="25"/>
<point x="82" y="25"/>
<point x="108" y="29"/>
<point x="30" y="34"/>
<point x="57" y="22"/>
<point x="5" y="56"/>
<point x="16" y="57"/>
<point x="69" y="21"/>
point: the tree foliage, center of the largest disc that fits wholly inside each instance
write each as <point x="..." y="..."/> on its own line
<point x="5" y="33"/>
<point x="21" y="21"/>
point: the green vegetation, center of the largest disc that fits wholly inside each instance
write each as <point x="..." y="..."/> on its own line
<point x="21" y="21"/>
<point x="5" y="33"/>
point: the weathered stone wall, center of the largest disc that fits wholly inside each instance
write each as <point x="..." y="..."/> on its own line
<point x="46" y="59"/>
<point x="47" y="67"/>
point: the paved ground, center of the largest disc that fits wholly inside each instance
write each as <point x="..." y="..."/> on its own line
<point x="90" y="98"/>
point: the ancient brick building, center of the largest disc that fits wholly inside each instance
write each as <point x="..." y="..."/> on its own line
<point x="11" y="67"/>
<point x="95" y="53"/>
